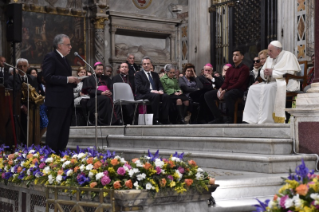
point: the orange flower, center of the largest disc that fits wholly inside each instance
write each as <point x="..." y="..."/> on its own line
<point x="192" y="163"/>
<point x="302" y="189"/>
<point x="10" y="162"/>
<point x="114" y="161"/>
<point x="29" y="155"/>
<point x="129" y="184"/>
<point x="97" y="164"/>
<point x="147" y="166"/>
<point x="73" y="161"/>
<point x="35" y="160"/>
<point x="188" y="182"/>
<point x="163" y="182"/>
<point x="93" y="184"/>
<point x="134" y="160"/>
<point x="76" y="169"/>
<point x="171" y="164"/>
<point x="11" y="156"/>
<point x="60" y="172"/>
<point x="89" y="160"/>
<point x="275" y="197"/>
<point x="211" y="181"/>
<point x="19" y="169"/>
<point x="117" y="185"/>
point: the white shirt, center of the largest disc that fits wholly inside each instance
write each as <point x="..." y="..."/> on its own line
<point x="146" y="73"/>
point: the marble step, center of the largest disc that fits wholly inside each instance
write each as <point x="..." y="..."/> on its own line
<point x="231" y="161"/>
<point x="275" y="146"/>
<point x="205" y="130"/>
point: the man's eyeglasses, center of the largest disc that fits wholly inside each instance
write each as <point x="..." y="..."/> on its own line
<point x="256" y="61"/>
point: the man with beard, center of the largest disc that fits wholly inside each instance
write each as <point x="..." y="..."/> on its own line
<point x="104" y="96"/>
<point x="123" y="77"/>
<point x="133" y="68"/>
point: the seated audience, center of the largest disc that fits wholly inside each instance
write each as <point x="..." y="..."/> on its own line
<point x="225" y="67"/>
<point x="171" y="87"/>
<point x="255" y="73"/>
<point x="79" y="97"/>
<point x="234" y="86"/>
<point x="263" y="54"/>
<point x="4" y="72"/>
<point x="124" y="77"/>
<point x="266" y="101"/>
<point x="33" y="72"/>
<point x="149" y="86"/>
<point x="104" y="96"/>
<point x="108" y="71"/>
<point x="161" y="73"/>
<point x="133" y="68"/>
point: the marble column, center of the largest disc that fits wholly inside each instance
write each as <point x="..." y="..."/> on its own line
<point x="99" y="46"/>
<point x="172" y="45"/>
<point x="306" y="114"/>
<point x="113" y="30"/>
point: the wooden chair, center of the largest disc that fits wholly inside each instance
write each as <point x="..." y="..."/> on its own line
<point x="238" y="101"/>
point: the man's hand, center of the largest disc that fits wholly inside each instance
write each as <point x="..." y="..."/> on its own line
<point x="268" y="71"/>
<point x="73" y="80"/>
<point x="217" y="75"/>
<point x="154" y="91"/>
<point x="256" y="83"/>
<point x="221" y="93"/>
<point x="208" y="76"/>
<point x="106" y="93"/>
<point x="24" y="109"/>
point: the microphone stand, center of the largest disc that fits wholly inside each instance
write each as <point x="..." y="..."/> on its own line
<point x="28" y="100"/>
<point x="96" y="85"/>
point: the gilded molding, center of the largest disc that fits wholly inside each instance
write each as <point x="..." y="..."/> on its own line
<point x="99" y="22"/>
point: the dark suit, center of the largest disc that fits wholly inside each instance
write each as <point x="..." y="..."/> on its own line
<point x="143" y="91"/>
<point x="59" y="99"/>
<point x="132" y="68"/>
<point x="4" y="75"/>
<point x="128" y="110"/>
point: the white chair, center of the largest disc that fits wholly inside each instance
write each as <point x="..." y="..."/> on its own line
<point x="123" y="95"/>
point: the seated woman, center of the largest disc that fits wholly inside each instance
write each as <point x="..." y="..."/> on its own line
<point x="171" y="87"/>
<point x="33" y="71"/>
<point x="79" y="97"/>
<point x="189" y="82"/>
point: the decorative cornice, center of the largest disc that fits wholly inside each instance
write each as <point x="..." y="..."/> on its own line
<point x="212" y="9"/>
<point x="142" y="30"/>
<point x="99" y="22"/>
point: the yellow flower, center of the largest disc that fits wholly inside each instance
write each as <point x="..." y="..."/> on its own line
<point x="283" y="188"/>
<point x="172" y="184"/>
<point x="94" y="171"/>
<point x="292" y="184"/>
<point x="36" y="181"/>
<point x="152" y="171"/>
<point x="314" y="186"/>
<point x="180" y="189"/>
<point x="176" y="176"/>
<point x="111" y="170"/>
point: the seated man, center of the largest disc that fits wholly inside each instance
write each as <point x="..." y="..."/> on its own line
<point x="104" y="96"/>
<point x="234" y="86"/>
<point x="123" y="77"/>
<point x="133" y="68"/>
<point x="266" y="101"/>
<point x="149" y="86"/>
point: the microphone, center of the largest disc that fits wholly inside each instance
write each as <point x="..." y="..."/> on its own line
<point x="77" y="55"/>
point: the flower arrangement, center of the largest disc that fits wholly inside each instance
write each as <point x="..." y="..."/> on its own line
<point x="299" y="193"/>
<point x="90" y="168"/>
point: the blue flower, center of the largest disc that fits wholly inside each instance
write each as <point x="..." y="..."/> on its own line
<point x="179" y="156"/>
<point x="82" y="179"/>
<point x="153" y="157"/>
<point x="262" y="206"/>
<point x="302" y="171"/>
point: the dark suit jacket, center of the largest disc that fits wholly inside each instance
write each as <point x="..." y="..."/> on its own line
<point x="130" y="78"/>
<point x="207" y="84"/>
<point x="4" y="76"/>
<point x="89" y="85"/>
<point x="142" y="85"/>
<point x="132" y="68"/>
<point x="58" y="92"/>
<point x="32" y="81"/>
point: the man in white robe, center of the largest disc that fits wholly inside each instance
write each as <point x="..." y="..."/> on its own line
<point x="266" y="101"/>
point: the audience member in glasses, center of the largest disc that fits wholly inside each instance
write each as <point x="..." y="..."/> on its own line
<point x="254" y="74"/>
<point x="81" y="99"/>
<point x="133" y="68"/>
<point x="171" y="87"/>
<point x="124" y="77"/>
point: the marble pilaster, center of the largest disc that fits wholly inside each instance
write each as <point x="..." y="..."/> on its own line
<point x="99" y="46"/>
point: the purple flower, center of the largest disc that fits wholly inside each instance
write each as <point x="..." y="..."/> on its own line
<point x="128" y="166"/>
<point x="42" y="165"/>
<point x="3" y="175"/>
<point x="158" y="170"/>
<point x="170" y="177"/>
<point x="82" y="179"/>
<point x="262" y="206"/>
<point x="181" y="170"/>
<point x="21" y="176"/>
<point x="283" y="200"/>
<point x="106" y="173"/>
<point x="121" y="171"/>
<point x="105" y="180"/>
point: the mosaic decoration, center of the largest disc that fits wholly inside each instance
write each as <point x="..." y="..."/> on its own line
<point x="142" y="4"/>
<point x="301" y="5"/>
<point x="301" y="27"/>
<point x="184" y="31"/>
<point x="301" y="51"/>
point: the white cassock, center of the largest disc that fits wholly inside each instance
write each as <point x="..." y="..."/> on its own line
<point x="266" y="102"/>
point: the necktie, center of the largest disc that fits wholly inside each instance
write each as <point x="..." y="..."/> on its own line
<point x="151" y="80"/>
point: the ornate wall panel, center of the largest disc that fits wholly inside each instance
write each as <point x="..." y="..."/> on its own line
<point x="301" y="29"/>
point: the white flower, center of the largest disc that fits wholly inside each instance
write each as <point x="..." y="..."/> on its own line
<point x="59" y="179"/>
<point x="99" y="175"/>
<point x="15" y="161"/>
<point x="75" y="156"/>
<point x="179" y="175"/>
<point x="69" y="173"/>
<point x="46" y="170"/>
<point x="146" y="157"/>
<point x="82" y="168"/>
<point x="49" y="160"/>
<point x="136" y="185"/>
<point x="289" y="203"/>
<point x="176" y="159"/>
<point x="200" y="170"/>
<point x="28" y="172"/>
<point x="62" y="159"/>
<point x="24" y="155"/>
<point x="159" y="163"/>
<point x="126" y="168"/>
<point x="123" y="160"/>
<point x="138" y="163"/>
<point x="141" y="176"/>
<point x="271" y="204"/>
<point x="298" y="201"/>
<point x="84" y="160"/>
<point x="148" y="186"/>
<point x="51" y="179"/>
<point x="163" y="171"/>
<point x="81" y="155"/>
<point x="117" y="157"/>
<point x="36" y="155"/>
<point x="6" y="168"/>
<point x="37" y="175"/>
<point x="89" y="167"/>
<point x="22" y="163"/>
<point x="15" y="175"/>
<point x="12" y="169"/>
<point x="199" y="176"/>
<point x="91" y="174"/>
<point x="31" y="151"/>
<point x="66" y="163"/>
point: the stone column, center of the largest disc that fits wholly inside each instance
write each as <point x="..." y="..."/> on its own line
<point x="113" y="30"/>
<point x="306" y="114"/>
<point x="99" y="46"/>
<point x="172" y="46"/>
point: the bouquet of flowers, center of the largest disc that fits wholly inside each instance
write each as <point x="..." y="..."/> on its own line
<point x="90" y="168"/>
<point x="299" y="193"/>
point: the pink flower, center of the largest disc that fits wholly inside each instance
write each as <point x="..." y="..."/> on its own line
<point x="3" y="175"/>
<point x="121" y="171"/>
<point x="106" y="173"/>
<point x="181" y="170"/>
<point x="283" y="200"/>
<point x="158" y="170"/>
<point x="128" y="166"/>
<point x="170" y="177"/>
<point x="42" y="165"/>
<point x="105" y="180"/>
